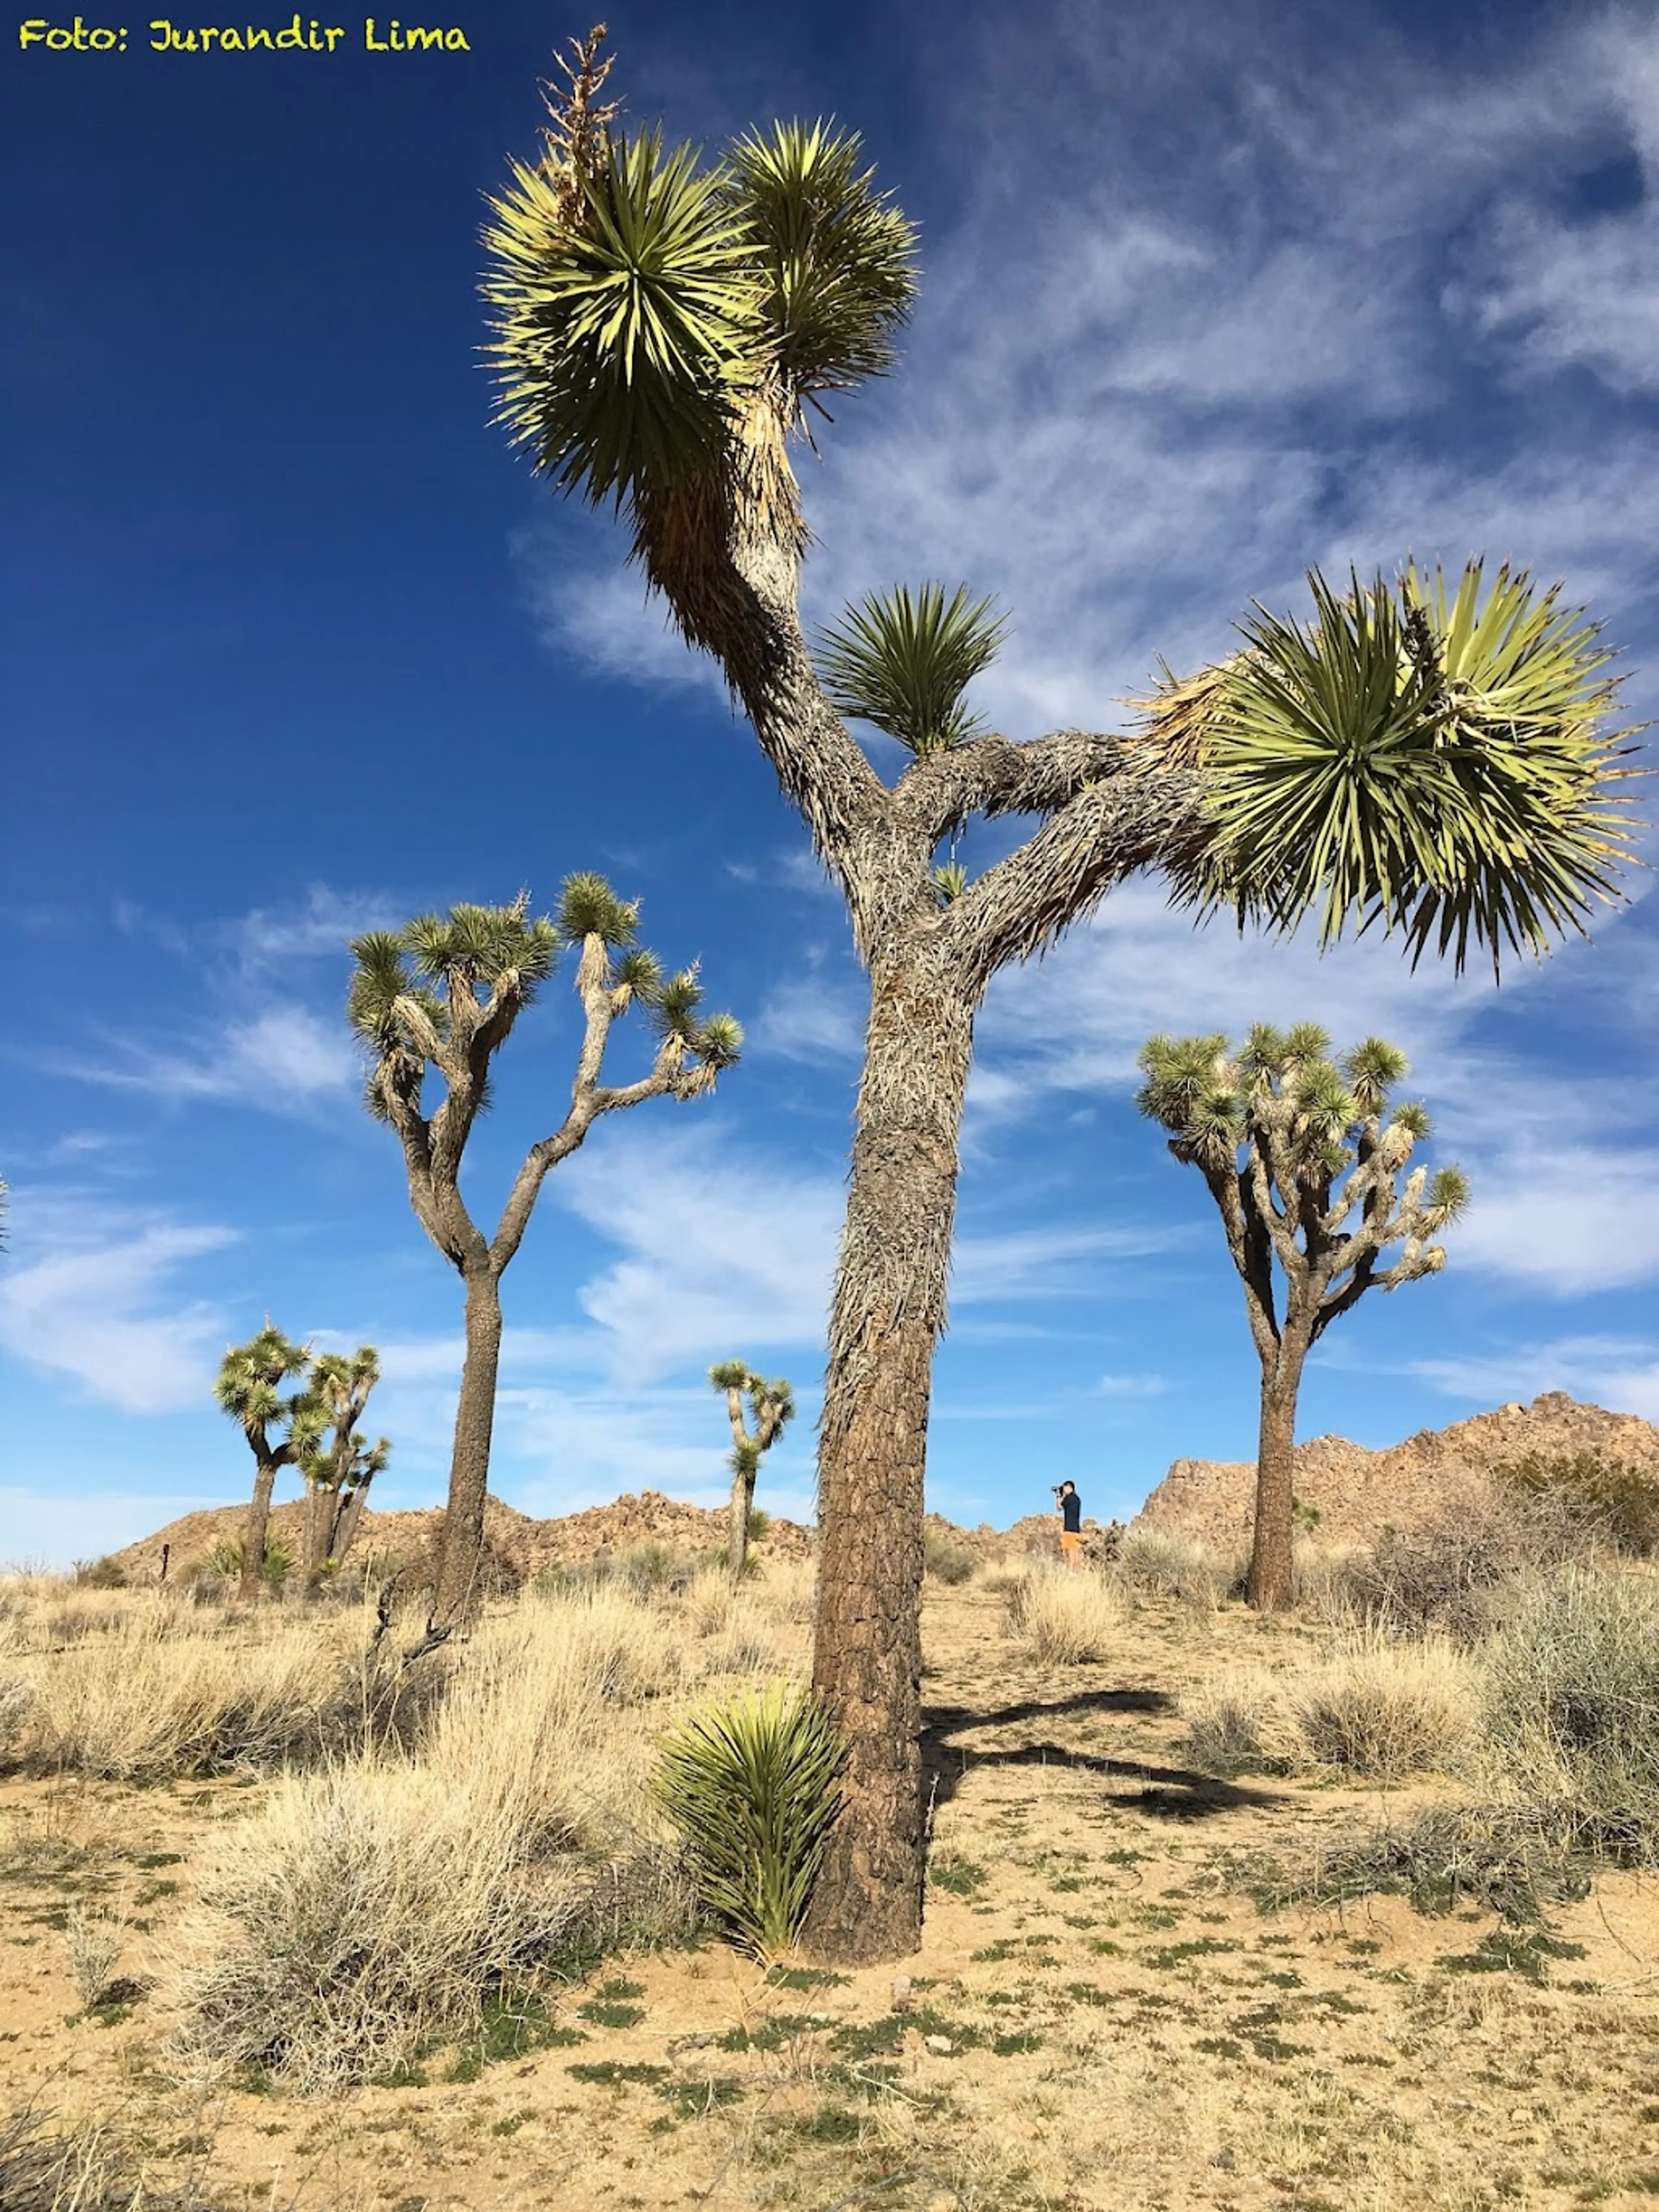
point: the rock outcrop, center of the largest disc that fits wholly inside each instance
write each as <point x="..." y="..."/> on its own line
<point x="1356" y="1492"/>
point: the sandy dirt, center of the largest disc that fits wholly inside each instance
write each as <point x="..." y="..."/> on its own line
<point x="1100" y="2016"/>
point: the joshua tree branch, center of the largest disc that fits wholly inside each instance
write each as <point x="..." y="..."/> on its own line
<point x="994" y="775"/>
<point x="743" y="607"/>
<point x="1108" y="831"/>
<point x="1251" y="1253"/>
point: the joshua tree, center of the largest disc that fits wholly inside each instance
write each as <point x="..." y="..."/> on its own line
<point x="1303" y="1154"/>
<point x="662" y="326"/>
<point x="249" y="1387"/>
<point x="337" y="1464"/>
<point x="773" y="1405"/>
<point x="442" y="995"/>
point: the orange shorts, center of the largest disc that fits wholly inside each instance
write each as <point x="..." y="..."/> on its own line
<point x="1070" y="1540"/>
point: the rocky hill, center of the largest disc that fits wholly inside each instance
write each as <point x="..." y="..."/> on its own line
<point x="1355" y="1491"/>
<point x="517" y="1545"/>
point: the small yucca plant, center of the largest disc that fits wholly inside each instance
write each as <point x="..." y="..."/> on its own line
<point x="754" y="1786"/>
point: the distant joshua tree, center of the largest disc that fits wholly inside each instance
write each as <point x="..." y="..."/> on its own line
<point x="337" y="1466"/>
<point x="278" y="1428"/>
<point x="442" y="995"/>
<point x="773" y="1406"/>
<point x="1304" y="1156"/>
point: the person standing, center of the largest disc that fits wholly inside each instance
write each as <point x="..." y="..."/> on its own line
<point x="1070" y="1508"/>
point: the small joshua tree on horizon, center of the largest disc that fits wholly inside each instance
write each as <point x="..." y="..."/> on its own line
<point x="773" y="1406"/>
<point x="337" y="1464"/>
<point x="249" y="1387"/>
<point x="441" y="996"/>
<point x="1302" y="1155"/>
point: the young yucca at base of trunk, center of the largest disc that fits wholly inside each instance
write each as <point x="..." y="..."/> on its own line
<point x="753" y="1787"/>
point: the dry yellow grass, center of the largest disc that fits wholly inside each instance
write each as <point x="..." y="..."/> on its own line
<point x="1098" y="2017"/>
<point x="1064" y="1618"/>
<point x="1369" y="1705"/>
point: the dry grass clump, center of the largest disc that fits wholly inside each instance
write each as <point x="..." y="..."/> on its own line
<point x="93" y="1942"/>
<point x="1572" y="1707"/>
<point x="374" y="1908"/>
<point x="1163" y="1562"/>
<point x="787" y="1589"/>
<point x="1372" y="1707"/>
<point x="84" y="2170"/>
<point x="166" y="1692"/>
<point x="1065" y="1618"/>
<point x="1443" y="1572"/>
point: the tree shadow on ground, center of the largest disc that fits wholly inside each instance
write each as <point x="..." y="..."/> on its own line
<point x="1167" y="1793"/>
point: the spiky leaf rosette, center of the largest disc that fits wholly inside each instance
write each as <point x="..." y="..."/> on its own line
<point x="626" y="305"/>
<point x="833" y="258"/>
<point x="1437" y="760"/>
<point x="905" y="663"/>
<point x="729" y="1375"/>
<point x="589" y="908"/>
<point x="754" y="1786"/>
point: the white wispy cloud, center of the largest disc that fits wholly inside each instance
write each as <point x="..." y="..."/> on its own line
<point x="285" y="1059"/>
<point x="1619" y="1373"/>
<point x="102" y="1302"/>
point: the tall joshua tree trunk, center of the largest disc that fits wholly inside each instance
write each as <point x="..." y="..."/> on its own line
<point x="886" y="1317"/>
<point x="1271" y="1581"/>
<point x="475" y="1422"/>
<point x="255" y="1534"/>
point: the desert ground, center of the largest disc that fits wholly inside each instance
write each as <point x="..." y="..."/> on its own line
<point x="1140" y="1985"/>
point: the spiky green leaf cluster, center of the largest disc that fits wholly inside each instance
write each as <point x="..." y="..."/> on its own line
<point x="626" y="305"/>
<point x="589" y="908"/>
<point x="674" y="1007"/>
<point x="248" y="1384"/>
<point x="835" y="258"/>
<point x="729" y="1375"/>
<point x="754" y="1786"/>
<point x="1437" y="760"/>
<point x="904" y="662"/>
<point x="642" y="304"/>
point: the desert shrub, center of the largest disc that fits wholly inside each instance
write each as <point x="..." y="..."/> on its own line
<point x="1164" y="1562"/>
<point x="1507" y="1858"/>
<point x="946" y="1560"/>
<point x="1572" y="1707"/>
<point x="1372" y="1706"/>
<point x="759" y="1522"/>
<point x="1610" y="1501"/>
<point x="753" y="1786"/>
<point x="99" y="1574"/>
<point x="381" y="1904"/>
<point x="1441" y="1571"/>
<point x="166" y="1694"/>
<point x="1064" y="1618"/>
<point x="1241" y="1719"/>
<point x="1388" y="1709"/>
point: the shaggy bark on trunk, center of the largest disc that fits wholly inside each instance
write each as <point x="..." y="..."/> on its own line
<point x="886" y="1314"/>
<point x="258" y="1527"/>
<point x="462" y="1547"/>
<point x="1273" y="1571"/>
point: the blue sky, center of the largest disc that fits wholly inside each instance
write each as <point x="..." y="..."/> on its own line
<point x="293" y="646"/>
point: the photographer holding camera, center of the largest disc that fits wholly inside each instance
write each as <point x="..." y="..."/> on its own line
<point x="1069" y="1506"/>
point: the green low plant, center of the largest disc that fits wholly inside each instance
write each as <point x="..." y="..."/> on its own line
<point x="753" y="1786"/>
